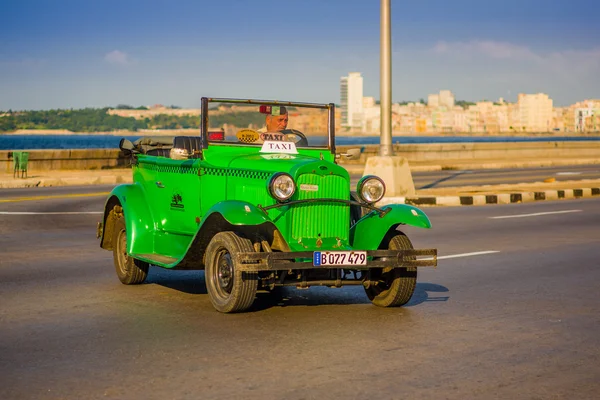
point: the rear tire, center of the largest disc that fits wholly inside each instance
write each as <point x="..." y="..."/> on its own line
<point x="129" y="270"/>
<point x="396" y="285"/>
<point x="229" y="289"/>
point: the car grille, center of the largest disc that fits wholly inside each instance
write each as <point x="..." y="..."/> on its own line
<point x="330" y="220"/>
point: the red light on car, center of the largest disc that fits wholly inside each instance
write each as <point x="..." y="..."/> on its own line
<point x="216" y="135"/>
<point x="272" y="110"/>
<point x="265" y="109"/>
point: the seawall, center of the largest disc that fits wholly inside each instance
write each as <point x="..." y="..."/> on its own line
<point x="78" y="159"/>
<point x="432" y="152"/>
<point x="89" y="159"/>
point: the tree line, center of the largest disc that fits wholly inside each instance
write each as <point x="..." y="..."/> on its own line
<point x="99" y="120"/>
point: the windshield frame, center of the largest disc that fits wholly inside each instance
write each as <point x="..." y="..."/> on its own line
<point x="330" y="107"/>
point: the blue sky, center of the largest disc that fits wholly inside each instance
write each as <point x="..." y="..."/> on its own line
<point x="76" y="53"/>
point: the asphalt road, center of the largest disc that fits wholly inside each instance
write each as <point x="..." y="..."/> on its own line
<point x="422" y="180"/>
<point x="453" y="178"/>
<point x="512" y="311"/>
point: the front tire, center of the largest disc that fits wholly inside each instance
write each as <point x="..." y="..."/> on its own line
<point x="395" y="286"/>
<point x="129" y="270"/>
<point x="229" y="289"/>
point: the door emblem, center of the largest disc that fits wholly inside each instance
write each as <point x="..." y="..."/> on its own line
<point x="177" y="201"/>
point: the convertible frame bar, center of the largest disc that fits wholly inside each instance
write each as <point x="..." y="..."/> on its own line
<point x="330" y="107"/>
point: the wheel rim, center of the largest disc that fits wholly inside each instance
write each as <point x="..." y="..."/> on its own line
<point x="122" y="251"/>
<point x="384" y="281"/>
<point x="223" y="274"/>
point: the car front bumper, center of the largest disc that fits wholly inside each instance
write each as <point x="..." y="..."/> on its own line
<point x="277" y="261"/>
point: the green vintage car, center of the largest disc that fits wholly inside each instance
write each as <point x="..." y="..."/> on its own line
<point x="259" y="209"/>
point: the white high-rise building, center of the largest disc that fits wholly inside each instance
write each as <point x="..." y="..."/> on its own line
<point x="351" y="99"/>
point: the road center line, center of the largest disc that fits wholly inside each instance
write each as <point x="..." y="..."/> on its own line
<point x="57" y="196"/>
<point x="535" y="214"/>
<point x="477" y="253"/>
<point x="49" y="213"/>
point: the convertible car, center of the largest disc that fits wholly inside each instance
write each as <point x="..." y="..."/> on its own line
<point x="259" y="208"/>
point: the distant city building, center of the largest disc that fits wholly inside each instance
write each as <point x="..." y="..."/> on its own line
<point x="433" y="100"/>
<point x="583" y="116"/>
<point x="351" y="100"/>
<point x="444" y="98"/>
<point x="535" y="112"/>
<point x="369" y="102"/>
<point x="531" y="113"/>
<point x="371" y="116"/>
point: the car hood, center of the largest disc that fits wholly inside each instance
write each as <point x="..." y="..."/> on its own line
<point x="293" y="164"/>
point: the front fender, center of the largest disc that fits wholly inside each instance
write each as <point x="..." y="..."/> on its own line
<point x="238" y="212"/>
<point x="224" y="216"/>
<point x="139" y="222"/>
<point x="370" y="230"/>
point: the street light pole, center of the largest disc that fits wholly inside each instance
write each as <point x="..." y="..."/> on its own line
<point x="385" y="69"/>
<point x="394" y="170"/>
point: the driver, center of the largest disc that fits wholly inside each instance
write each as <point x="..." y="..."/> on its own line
<point x="276" y="120"/>
<point x="275" y="128"/>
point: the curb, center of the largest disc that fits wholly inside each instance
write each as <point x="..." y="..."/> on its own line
<point x="501" y="198"/>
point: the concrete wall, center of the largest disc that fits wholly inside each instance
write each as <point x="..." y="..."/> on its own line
<point x="485" y="151"/>
<point x="40" y="160"/>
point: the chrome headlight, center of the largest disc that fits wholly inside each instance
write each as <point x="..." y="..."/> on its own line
<point x="370" y="189"/>
<point x="282" y="186"/>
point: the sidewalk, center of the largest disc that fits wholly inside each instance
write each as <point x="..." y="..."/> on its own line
<point x="452" y="196"/>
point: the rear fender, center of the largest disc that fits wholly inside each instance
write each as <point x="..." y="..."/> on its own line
<point x="370" y="230"/>
<point x="139" y="221"/>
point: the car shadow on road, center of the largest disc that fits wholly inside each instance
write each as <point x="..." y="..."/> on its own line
<point x="421" y="294"/>
<point x="319" y="296"/>
<point x="191" y="282"/>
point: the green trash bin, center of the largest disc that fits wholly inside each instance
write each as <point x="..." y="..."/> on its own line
<point x="20" y="159"/>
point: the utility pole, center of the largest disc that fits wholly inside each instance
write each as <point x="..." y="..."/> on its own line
<point x="385" y="70"/>
<point x="394" y="170"/>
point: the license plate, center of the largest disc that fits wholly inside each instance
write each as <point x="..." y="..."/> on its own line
<point x="322" y="258"/>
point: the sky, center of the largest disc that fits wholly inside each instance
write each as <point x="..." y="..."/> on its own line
<point x="88" y="53"/>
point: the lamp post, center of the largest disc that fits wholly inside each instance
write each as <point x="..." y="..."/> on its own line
<point x="385" y="70"/>
<point x="394" y="170"/>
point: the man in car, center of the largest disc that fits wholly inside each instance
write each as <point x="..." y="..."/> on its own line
<point x="276" y="120"/>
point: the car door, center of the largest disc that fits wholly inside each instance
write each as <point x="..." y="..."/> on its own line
<point x="179" y="196"/>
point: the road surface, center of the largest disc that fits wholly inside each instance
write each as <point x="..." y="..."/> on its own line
<point x="512" y="311"/>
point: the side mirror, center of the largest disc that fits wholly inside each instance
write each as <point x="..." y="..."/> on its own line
<point x="126" y="146"/>
<point x="351" y="154"/>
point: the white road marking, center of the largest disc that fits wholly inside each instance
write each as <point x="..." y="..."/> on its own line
<point x="568" y="173"/>
<point x="477" y="253"/>
<point x="49" y="213"/>
<point x="535" y="214"/>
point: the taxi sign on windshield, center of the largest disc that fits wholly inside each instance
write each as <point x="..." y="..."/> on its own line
<point x="272" y="146"/>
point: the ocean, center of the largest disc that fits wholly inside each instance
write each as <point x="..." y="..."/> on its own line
<point x="33" y="142"/>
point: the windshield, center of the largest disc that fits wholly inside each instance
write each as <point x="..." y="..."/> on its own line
<point x="254" y="124"/>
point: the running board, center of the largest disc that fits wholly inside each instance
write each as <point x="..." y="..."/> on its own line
<point x="156" y="259"/>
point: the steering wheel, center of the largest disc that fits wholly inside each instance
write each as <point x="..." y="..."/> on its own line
<point x="296" y="136"/>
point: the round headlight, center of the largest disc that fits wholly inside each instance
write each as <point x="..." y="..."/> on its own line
<point x="282" y="186"/>
<point x="370" y="189"/>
